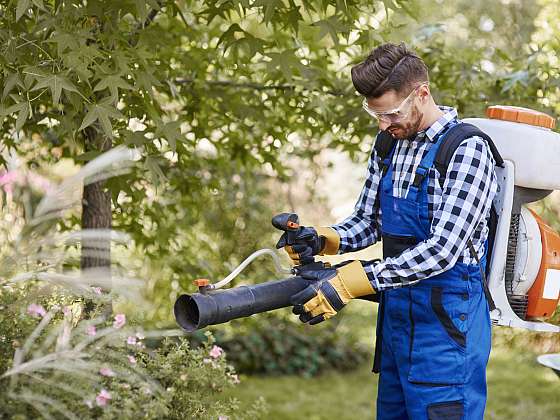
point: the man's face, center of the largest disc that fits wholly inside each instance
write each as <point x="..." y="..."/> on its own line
<point x="409" y="103"/>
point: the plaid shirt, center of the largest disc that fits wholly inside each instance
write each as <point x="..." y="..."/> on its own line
<point x="457" y="211"/>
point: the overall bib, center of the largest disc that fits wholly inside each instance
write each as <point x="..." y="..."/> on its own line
<point x="435" y="335"/>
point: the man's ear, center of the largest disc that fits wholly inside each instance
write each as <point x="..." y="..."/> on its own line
<point x="424" y="93"/>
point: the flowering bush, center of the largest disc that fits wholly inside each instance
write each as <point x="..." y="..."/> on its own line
<point x="53" y="365"/>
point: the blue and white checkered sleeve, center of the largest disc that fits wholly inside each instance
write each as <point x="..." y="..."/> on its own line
<point x="468" y="191"/>
<point x="361" y="228"/>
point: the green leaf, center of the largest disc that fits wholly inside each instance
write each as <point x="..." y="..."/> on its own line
<point x="137" y="138"/>
<point x="153" y="167"/>
<point x="332" y="26"/>
<point x="22" y="116"/>
<point x="55" y="83"/>
<point x="145" y="80"/>
<point x="171" y="131"/>
<point x="102" y="112"/>
<point x="228" y="37"/>
<point x="64" y="41"/>
<point x="11" y="81"/>
<point x="113" y="83"/>
<point x="286" y="62"/>
<point x="270" y="8"/>
<point x="90" y="117"/>
<point x="22" y="7"/>
<point x="103" y="117"/>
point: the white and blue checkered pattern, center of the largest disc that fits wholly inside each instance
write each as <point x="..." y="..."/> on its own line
<point x="458" y="211"/>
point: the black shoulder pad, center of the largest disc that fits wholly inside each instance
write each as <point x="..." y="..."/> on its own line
<point x="453" y="139"/>
<point x="383" y="145"/>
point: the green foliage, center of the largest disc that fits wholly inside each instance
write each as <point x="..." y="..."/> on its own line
<point x="169" y="76"/>
<point x="274" y="345"/>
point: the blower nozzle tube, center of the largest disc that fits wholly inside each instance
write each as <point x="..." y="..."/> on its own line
<point x="199" y="310"/>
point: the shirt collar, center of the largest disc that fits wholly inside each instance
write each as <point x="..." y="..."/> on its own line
<point x="449" y="114"/>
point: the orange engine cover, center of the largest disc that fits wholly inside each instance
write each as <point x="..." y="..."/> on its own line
<point x="545" y="292"/>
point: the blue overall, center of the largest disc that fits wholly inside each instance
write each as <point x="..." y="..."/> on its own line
<point x="436" y="334"/>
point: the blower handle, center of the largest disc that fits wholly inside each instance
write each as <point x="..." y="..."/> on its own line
<point x="289" y="223"/>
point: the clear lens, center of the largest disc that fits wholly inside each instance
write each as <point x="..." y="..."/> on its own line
<point x="396" y="115"/>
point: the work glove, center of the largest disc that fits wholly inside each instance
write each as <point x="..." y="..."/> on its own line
<point x="308" y="242"/>
<point x="330" y="290"/>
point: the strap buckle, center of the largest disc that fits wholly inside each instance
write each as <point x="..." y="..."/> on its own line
<point x="420" y="174"/>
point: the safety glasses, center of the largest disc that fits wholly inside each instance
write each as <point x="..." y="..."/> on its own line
<point x="397" y="114"/>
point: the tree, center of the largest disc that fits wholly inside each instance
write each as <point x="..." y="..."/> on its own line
<point x="81" y="77"/>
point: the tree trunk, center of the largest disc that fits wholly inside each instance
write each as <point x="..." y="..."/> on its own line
<point x="96" y="214"/>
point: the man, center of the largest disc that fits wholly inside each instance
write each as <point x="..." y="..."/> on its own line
<point x="434" y="329"/>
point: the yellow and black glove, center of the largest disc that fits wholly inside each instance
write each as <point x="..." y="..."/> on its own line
<point x="330" y="290"/>
<point x="309" y="241"/>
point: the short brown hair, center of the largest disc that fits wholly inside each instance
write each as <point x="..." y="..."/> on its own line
<point x="389" y="67"/>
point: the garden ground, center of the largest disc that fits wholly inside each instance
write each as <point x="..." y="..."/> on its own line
<point x="518" y="388"/>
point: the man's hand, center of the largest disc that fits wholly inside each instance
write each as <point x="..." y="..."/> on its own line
<point x="331" y="289"/>
<point x="308" y="242"/>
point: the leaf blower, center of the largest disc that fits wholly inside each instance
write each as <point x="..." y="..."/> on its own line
<point x="211" y="307"/>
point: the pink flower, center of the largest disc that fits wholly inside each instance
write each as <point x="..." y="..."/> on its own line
<point x="9" y="179"/>
<point x="132" y="359"/>
<point x="223" y="418"/>
<point x="131" y="340"/>
<point x="36" y="310"/>
<point x="206" y="360"/>
<point x="67" y="310"/>
<point x="103" y="398"/>
<point x="97" y="290"/>
<point x="120" y="320"/>
<point x="105" y="371"/>
<point x="216" y="352"/>
<point x="91" y="330"/>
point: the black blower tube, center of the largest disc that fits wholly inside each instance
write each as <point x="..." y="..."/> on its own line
<point x="199" y="310"/>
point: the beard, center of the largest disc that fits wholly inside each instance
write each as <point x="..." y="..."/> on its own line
<point x="408" y="129"/>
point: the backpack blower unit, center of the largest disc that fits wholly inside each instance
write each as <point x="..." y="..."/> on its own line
<point x="523" y="271"/>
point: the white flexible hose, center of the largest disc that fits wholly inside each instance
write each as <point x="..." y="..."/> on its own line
<point x="249" y="260"/>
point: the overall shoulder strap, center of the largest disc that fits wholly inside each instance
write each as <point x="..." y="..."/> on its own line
<point x="383" y="146"/>
<point x="453" y="139"/>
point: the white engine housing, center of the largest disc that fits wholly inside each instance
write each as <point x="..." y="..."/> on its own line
<point x="528" y="257"/>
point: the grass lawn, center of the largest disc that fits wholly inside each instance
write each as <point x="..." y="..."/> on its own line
<point x="518" y="388"/>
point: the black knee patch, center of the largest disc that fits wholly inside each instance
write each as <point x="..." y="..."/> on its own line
<point x="448" y="410"/>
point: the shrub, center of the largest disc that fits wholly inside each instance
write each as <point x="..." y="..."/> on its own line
<point x="272" y="344"/>
<point x="55" y="364"/>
